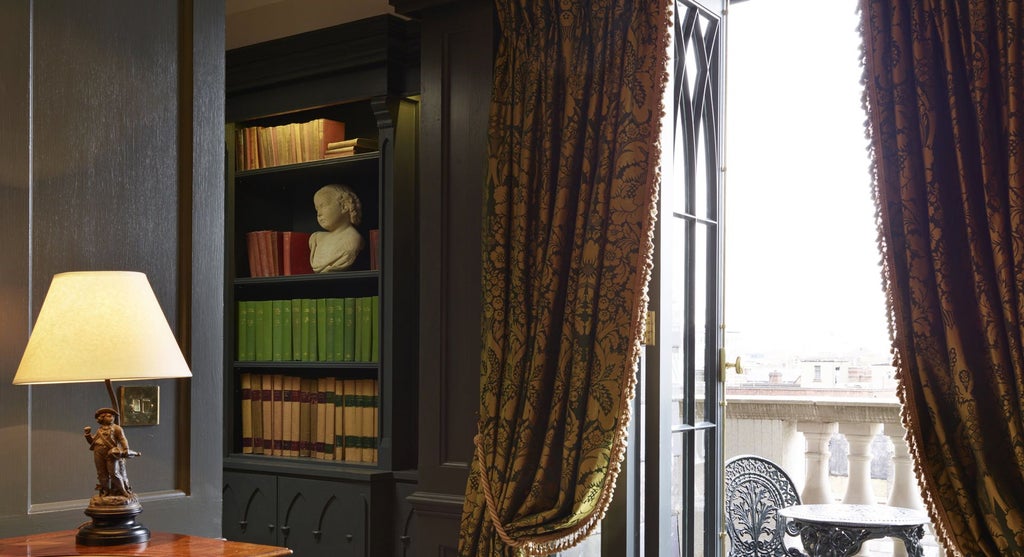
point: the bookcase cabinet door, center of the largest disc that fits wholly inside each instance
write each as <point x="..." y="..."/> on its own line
<point x="250" y="508"/>
<point x="324" y="517"/>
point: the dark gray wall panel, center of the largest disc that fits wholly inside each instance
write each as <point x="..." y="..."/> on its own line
<point x="204" y="462"/>
<point x="104" y="196"/>
<point x="14" y="279"/>
<point x="107" y="131"/>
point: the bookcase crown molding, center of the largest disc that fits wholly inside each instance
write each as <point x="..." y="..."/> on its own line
<point x="367" y="58"/>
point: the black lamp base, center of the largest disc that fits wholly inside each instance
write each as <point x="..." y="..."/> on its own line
<point x="112" y="525"/>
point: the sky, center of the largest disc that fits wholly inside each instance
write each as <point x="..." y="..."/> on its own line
<point x="802" y="263"/>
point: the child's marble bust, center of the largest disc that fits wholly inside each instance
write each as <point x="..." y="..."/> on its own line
<point x="338" y="211"/>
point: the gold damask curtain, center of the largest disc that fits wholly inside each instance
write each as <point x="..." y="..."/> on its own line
<point x="944" y="96"/>
<point x="570" y="201"/>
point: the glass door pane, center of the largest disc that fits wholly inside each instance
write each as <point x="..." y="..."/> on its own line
<point x="687" y="294"/>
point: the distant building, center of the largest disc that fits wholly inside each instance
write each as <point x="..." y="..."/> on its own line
<point x="811" y="376"/>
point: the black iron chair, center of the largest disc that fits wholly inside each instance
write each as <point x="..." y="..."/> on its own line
<point x="755" y="489"/>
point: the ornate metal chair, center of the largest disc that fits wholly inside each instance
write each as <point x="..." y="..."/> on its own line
<point x="755" y="489"/>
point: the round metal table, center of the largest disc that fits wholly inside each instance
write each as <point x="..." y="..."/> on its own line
<point x="839" y="529"/>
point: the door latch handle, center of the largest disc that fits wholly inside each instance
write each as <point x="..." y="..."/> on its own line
<point x="726" y="366"/>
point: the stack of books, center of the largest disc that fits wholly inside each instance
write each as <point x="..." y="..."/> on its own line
<point x="309" y="330"/>
<point x="325" y="418"/>
<point x="349" y="147"/>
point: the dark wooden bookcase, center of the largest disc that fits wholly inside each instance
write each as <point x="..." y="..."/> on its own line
<point x="364" y="74"/>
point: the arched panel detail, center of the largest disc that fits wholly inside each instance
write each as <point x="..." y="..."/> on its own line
<point x="286" y="528"/>
<point x="323" y="515"/>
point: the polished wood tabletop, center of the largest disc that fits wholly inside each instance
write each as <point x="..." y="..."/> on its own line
<point x="160" y="544"/>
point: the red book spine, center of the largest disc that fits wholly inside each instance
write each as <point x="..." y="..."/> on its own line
<point x="295" y="250"/>
<point x="253" y="250"/>
<point x="374" y="249"/>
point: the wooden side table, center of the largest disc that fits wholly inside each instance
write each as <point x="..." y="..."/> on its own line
<point x="160" y="544"/>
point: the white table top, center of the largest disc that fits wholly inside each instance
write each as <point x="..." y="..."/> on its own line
<point x="842" y="514"/>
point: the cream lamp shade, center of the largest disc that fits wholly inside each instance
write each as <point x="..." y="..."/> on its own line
<point x="98" y="326"/>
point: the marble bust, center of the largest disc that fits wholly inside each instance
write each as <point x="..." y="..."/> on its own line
<point x="338" y="212"/>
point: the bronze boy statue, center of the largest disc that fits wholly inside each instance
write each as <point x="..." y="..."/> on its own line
<point x="110" y="450"/>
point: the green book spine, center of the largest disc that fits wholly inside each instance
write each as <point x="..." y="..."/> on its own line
<point x="311" y="339"/>
<point x="308" y="332"/>
<point x="358" y="323"/>
<point x="296" y="329"/>
<point x="277" y="330"/>
<point x="375" y="329"/>
<point x="329" y="330"/>
<point x="267" y="330"/>
<point x="338" y="338"/>
<point x="286" y="330"/>
<point x="240" y="333"/>
<point x="264" y="330"/>
<point x="321" y="329"/>
<point x="350" y="329"/>
<point x="250" y="331"/>
<point x="366" y="328"/>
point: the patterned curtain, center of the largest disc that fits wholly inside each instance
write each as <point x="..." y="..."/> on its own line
<point x="570" y="205"/>
<point x="943" y="90"/>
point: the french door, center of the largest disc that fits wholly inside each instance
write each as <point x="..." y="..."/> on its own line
<point x="681" y="405"/>
<point x="689" y="289"/>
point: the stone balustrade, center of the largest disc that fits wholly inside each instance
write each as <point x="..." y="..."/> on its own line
<point x="795" y="432"/>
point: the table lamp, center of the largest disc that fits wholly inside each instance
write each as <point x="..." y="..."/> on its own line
<point x="103" y="326"/>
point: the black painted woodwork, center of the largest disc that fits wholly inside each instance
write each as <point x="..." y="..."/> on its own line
<point x="313" y="517"/>
<point x="376" y="56"/>
<point x="456" y="70"/>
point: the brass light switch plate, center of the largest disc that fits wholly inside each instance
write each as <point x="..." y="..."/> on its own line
<point x="140" y="405"/>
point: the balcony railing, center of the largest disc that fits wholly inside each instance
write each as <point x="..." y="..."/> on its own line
<point x="796" y="432"/>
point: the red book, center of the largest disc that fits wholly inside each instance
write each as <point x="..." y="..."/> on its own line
<point x="269" y="258"/>
<point x="262" y="253"/>
<point x="331" y="131"/>
<point x="253" y="249"/>
<point x="295" y="252"/>
<point x="275" y="253"/>
<point x="374" y="247"/>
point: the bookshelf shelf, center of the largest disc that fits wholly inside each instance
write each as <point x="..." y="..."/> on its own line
<point x="310" y="167"/>
<point x="304" y="415"/>
<point x="299" y="280"/>
<point x="293" y="365"/>
<point x="301" y="467"/>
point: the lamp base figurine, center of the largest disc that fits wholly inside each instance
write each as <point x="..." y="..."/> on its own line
<point x="114" y="508"/>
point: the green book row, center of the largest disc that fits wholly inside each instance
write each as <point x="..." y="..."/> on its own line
<point x="309" y="330"/>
